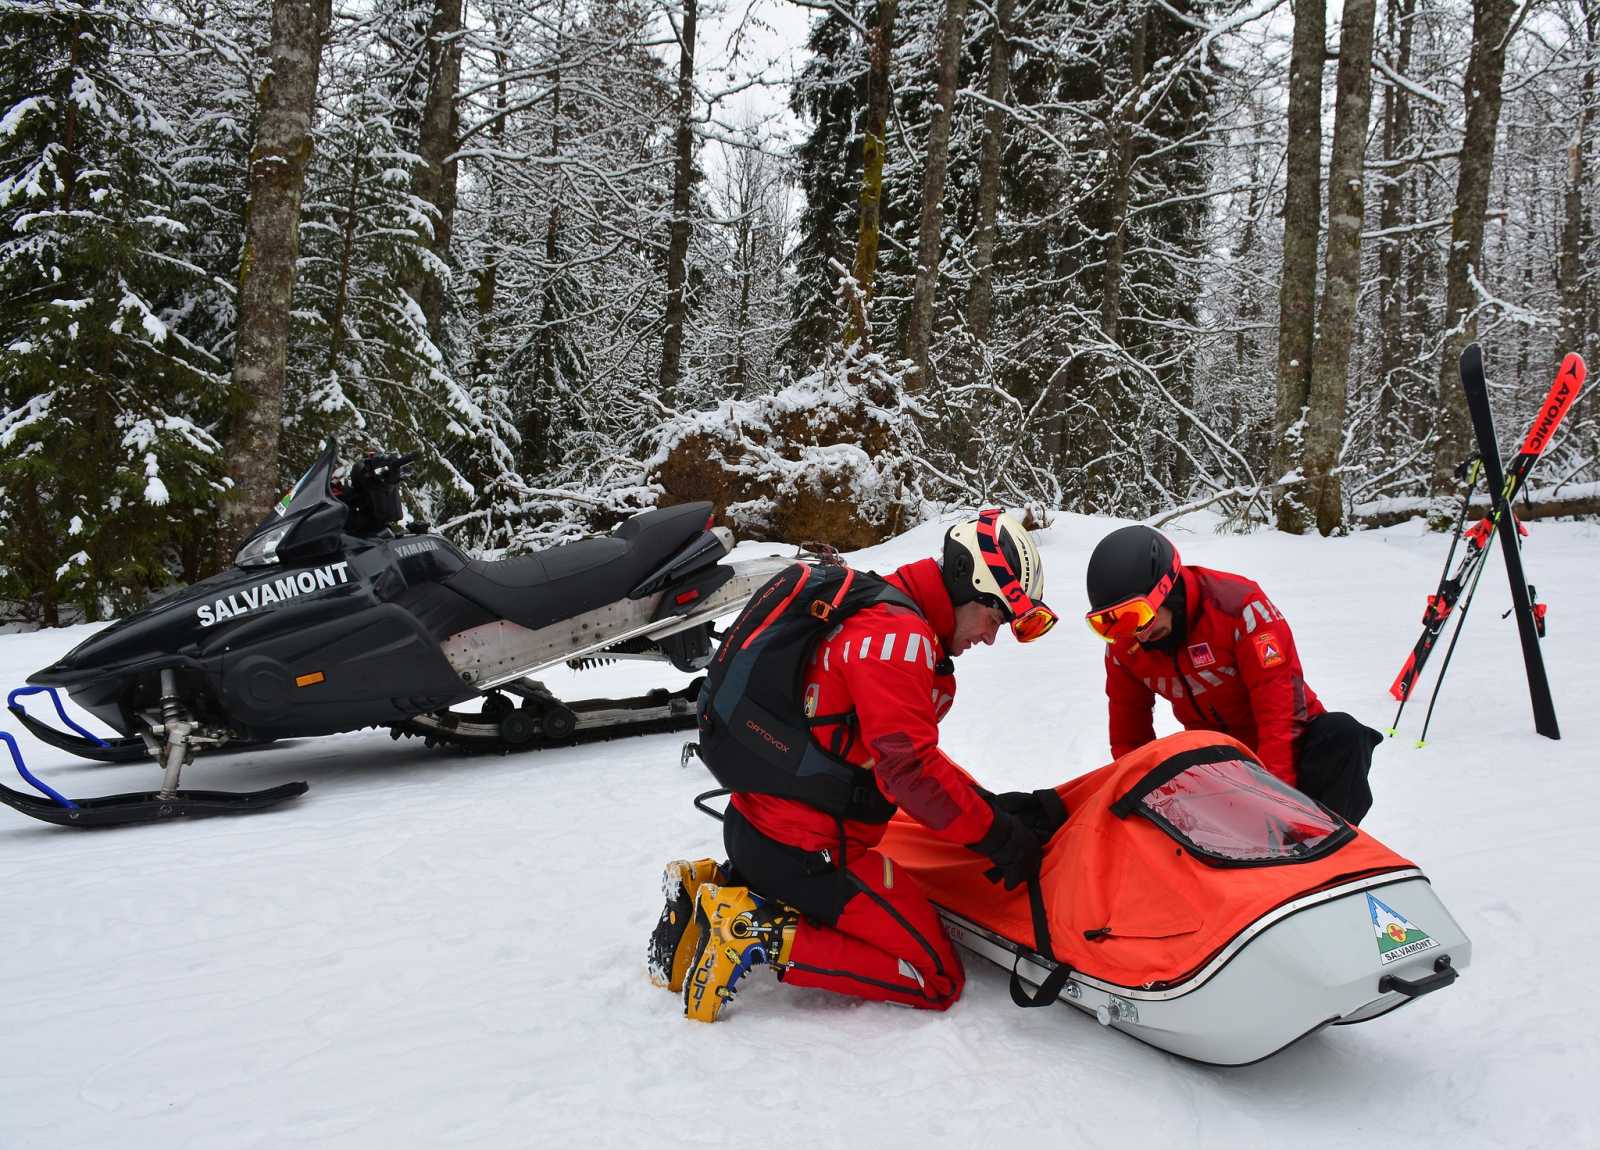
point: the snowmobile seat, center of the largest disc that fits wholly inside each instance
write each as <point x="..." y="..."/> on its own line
<point x="559" y="582"/>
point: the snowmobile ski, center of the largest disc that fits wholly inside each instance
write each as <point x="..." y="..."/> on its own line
<point x="140" y="807"/>
<point x="1479" y="537"/>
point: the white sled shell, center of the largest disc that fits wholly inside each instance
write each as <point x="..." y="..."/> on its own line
<point x="1315" y="961"/>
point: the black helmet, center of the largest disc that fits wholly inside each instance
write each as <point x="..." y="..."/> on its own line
<point x="1128" y="562"/>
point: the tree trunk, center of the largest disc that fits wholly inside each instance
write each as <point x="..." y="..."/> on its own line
<point x="749" y="190"/>
<point x="347" y="248"/>
<point x="1120" y="127"/>
<point x="678" y="245"/>
<point x="1342" y="272"/>
<point x="865" y="267"/>
<point x="1491" y="22"/>
<point x="1391" y="208"/>
<point x="489" y="274"/>
<point x="1297" y="293"/>
<point x="980" y="303"/>
<point x="67" y="164"/>
<point x="436" y="179"/>
<point x="267" y="265"/>
<point x="535" y="419"/>
<point x="927" y="280"/>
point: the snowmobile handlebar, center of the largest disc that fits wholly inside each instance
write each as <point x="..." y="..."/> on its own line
<point x="382" y="468"/>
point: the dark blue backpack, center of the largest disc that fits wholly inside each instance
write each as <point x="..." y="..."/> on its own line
<point x="755" y="735"/>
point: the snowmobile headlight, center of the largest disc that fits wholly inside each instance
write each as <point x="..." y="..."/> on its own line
<point x="263" y="549"/>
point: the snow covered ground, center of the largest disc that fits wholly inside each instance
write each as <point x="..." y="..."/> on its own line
<point x="436" y="950"/>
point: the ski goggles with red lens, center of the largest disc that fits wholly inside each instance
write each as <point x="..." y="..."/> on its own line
<point x="1123" y="620"/>
<point x="1029" y="619"/>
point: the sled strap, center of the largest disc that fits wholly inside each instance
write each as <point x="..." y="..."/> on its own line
<point x="1050" y="989"/>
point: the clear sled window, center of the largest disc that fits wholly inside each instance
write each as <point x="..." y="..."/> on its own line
<point x="1227" y="810"/>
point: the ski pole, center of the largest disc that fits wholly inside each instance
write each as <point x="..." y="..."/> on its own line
<point x="1473" y="467"/>
<point x="1461" y="619"/>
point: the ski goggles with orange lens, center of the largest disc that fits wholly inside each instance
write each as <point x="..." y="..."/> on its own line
<point x="1033" y="623"/>
<point x="1029" y="620"/>
<point x="1123" y="620"/>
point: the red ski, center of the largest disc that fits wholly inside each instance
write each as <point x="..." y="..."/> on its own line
<point x="1479" y="537"/>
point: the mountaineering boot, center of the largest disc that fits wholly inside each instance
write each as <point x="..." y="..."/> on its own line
<point x="676" y="937"/>
<point x="737" y="929"/>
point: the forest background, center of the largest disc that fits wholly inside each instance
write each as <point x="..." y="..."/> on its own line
<point x="1098" y="255"/>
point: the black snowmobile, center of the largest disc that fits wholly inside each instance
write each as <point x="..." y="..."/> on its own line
<point x="331" y="621"/>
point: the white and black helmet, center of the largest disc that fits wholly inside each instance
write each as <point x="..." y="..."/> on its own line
<point x="977" y="555"/>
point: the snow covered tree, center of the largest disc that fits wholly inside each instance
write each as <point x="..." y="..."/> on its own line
<point x="105" y="460"/>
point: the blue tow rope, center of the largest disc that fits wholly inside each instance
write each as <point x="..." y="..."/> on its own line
<point x="22" y="769"/>
<point x="11" y="701"/>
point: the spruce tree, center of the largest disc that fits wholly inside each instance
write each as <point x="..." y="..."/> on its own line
<point x="104" y="452"/>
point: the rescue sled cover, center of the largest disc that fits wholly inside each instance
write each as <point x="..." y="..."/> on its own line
<point x="1177" y="860"/>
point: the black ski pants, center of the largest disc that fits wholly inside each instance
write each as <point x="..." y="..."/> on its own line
<point x="1332" y="758"/>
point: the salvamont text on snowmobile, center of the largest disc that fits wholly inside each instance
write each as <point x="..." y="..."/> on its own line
<point x="330" y="621"/>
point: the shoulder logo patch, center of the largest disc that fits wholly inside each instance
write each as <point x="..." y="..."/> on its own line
<point x="1269" y="650"/>
<point x="1398" y="936"/>
<point x="1200" y="654"/>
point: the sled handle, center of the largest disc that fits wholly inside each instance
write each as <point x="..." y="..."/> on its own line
<point x="1444" y="974"/>
<point x="1049" y="990"/>
<point x="16" y="757"/>
<point x="11" y="702"/>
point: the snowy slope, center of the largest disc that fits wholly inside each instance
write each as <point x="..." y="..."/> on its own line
<point x="438" y="950"/>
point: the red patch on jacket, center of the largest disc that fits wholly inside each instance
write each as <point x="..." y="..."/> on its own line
<point x="1269" y="650"/>
<point x="1200" y="655"/>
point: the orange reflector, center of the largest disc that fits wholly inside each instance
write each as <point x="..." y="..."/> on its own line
<point x="687" y="596"/>
<point x="310" y="680"/>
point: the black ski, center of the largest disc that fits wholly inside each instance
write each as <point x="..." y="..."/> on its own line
<point x="1568" y="383"/>
<point x="1479" y="537"/>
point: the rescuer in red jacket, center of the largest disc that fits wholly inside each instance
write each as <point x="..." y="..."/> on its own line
<point x="815" y="898"/>
<point x="1213" y="645"/>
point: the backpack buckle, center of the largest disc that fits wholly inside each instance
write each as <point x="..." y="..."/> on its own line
<point x="821" y="609"/>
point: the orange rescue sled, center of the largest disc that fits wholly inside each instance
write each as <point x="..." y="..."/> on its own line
<point x="1199" y="904"/>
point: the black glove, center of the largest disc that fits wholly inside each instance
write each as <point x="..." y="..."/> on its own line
<point x="1012" y="847"/>
<point x="1042" y="811"/>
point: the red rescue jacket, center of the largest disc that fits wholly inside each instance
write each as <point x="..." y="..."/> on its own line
<point x="884" y="663"/>
<point x="1236" y="671"/>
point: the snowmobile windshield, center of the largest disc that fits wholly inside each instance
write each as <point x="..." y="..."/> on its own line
<point x="1228" y="811"/>
<point x="312" y="490"/>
